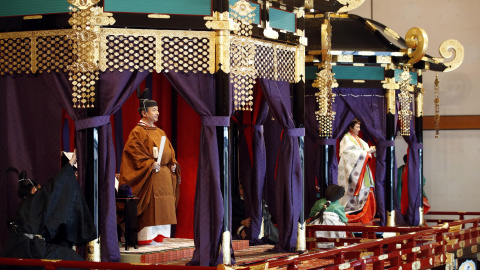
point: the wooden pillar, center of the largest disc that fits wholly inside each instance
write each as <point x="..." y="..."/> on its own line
<point x="390" y="86"/>
<point x="419" y="92"/>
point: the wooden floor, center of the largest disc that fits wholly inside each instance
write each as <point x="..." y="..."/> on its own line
<point x="177" y="251"/>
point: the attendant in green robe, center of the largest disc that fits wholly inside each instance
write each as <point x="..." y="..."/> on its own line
<point x="329" y="211"/>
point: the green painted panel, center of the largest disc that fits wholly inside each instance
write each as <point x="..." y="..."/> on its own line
<point x="282" y="19"/>
<point x="311" y="72"/>
<point x="413" y="80"/>
<point x="358" y="73"/>
<point x="187" y="7"/>
<point x="32" y="7"/>
<point x="349" y="73"/>
<point x="256" y="19"/>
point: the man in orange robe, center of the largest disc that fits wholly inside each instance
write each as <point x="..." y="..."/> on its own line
<point x="156" y="184"/>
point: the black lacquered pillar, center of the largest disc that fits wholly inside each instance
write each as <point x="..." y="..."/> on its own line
<point x="299" y="118"/>
<point x="390" y="86"/>
<point x="92" y="252"/>
<point x="419" y="92"/>
<point x="222" y="85"/>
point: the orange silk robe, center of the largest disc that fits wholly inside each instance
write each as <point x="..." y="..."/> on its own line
<point x="157" y="191"/>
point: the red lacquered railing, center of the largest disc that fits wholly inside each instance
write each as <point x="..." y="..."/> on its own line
<point x="460" y="215"/>
<point x="54" y="264"/>
<point x="417" y="248"/>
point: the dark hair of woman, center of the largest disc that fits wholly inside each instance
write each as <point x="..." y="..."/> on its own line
<point x="353" y="123"/>
<point x="332" y="193"/>
<point x="25" y="187"/>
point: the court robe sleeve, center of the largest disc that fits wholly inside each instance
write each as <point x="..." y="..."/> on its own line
<point x="136" y="166"/>
<point x="58" y="211"/>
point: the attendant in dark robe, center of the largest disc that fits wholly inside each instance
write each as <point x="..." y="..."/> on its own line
<point x="402" y="193"/>
<point x="50" y="220"/>
<point x="155" y="183"/>
<point x="240" y="223"/>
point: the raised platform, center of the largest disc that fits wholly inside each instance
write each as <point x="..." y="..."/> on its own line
<point x="172" y="249"/>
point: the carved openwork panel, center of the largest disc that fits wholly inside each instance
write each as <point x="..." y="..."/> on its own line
<point x="130" y="52"/>
<point x="275" y="61"/>
<point x="54" y="53"/>
<point x="15" y="56"/>
<point x="149" y="50"/>
<point x="187" y="54"/>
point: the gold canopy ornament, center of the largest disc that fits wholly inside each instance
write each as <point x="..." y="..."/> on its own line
<point x="325" y="81"/>
<point x="242" y="56"/>
<point x="416" y="38"/>
<point x="84" y="71"/>
<point x="405" y="99"/>
<point x="83" y="4"/>
<point x="445" y="52"/>
<point x="349" y="5"/>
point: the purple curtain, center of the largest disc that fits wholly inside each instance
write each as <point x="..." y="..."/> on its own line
<point x="415" y="198"/>
<point x="311" y="151"/>
<point x="272" y="133"/>
<point x="114" y="90"/>
<point x="252" y="172"/>
<point x="288" y="173"/>
<point x="30" y="135"/>
<point x="198" y="90"/>
<point x="368" y="105"/>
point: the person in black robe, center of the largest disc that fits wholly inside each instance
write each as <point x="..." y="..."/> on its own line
<point x="240" y="223"/>
<point x="50" y="220"/>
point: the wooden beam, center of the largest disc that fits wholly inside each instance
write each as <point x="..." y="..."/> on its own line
<point x="453" y="122"/>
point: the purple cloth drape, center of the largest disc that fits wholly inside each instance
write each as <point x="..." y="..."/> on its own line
<point x="272" y="133"/>
<point x="252" y="172"/>
<point x="114" y="90"/>
<point x="368" y="105"/>
<point x="288" y="180"/>
<point x="198" y="90"/>
<point x="30" y="135"/>
<point x="311" y="150"/>
<point x="415" y="197"/>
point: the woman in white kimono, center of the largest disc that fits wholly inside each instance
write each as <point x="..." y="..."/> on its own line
<point x="355" y="176"/>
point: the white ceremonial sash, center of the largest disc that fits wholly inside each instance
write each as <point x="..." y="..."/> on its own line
<point x="160" y="152"/>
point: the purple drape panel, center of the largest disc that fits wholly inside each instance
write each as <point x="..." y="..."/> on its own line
<point x="415" y="198"/>
<point x="272" y="133"/>
<point x="30" y="135"/>
<point x="252" y="172"/>
<point x="198" y="90"/>
<point x="117" y="118"/>
<point x="114" y="89"/>
<point x="288" y="180"/>
<point x="368" y="105"/>
<point x="311" y="150"/>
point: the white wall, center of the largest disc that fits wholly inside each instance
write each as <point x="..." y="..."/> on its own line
<point x="452" y="162"/>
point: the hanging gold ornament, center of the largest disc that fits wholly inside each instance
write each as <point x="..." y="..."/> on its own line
<point x="83" y="72"/>
<point x="436" y="119"/>
<point x="242" y="56"/>
<point x="405" y="97"/>
<point x="325" y="81"/>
